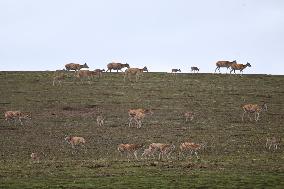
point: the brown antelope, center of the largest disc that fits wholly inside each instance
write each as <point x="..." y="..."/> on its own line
<point x="17" y="115"/>
<point x="138" y="115"/>
<point x="81" y="74"/>
<point x="272" y="142"/>
<point x="134" y="71"/>
<point x="224" y="64"/>
<point x="188" y="116"/>
<point x="253" y="109"/>
<point x="163" y="149"/>
<point x="35" y="157"/>
<point x="116" y="66"/>
<point x="191" y="147"/>
<point x="240" y="67"/>
<point x="75" y="141"/>
<point x="99" y="72"/>
<point x="100" y="120"/>
<point x="174" y="71"/>
<point x="76" y="67"/>
<point x="58" y="79"/>
<point x="129" y="148"/>
<point x="193" y="69"/>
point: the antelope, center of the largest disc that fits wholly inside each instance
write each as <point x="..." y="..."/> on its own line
<point x="191" y="147"/>
<point x="163" y="149"/>
<point x="240" y="67"/>
<point x="35" y="157"/>
<point x="17" y="115"/>
<point x="100" y="120"/>
<point x="174" y="71"/>
<point x="58" y="79"/>
<point x="75" y="141"/>
<point x="76" y="67"/>
<point x="253" y="108"/>
<point x="138" y="115"/>
<point x="86" y="74"/>
<point x="135" y="71"/>
<point x="188" y="116"/>
<point x="272" y="142"/>
<point x="116" y="66"/>
<point x="193" y="69"/>
<point x="224" y="64"/>
<point x="129" y="148"/>
<point x="99" y="72"/>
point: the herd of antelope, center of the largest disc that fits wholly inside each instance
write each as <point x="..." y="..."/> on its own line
<point x="136" y="116"/>
<point x="137" y="72"/>
<point x="89" y="75"/>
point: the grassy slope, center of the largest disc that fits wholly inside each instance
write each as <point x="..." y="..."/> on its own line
<point x="234" y="157"/>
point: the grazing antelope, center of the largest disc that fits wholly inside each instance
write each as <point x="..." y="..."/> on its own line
<point x="193" y="69"/>
<point x="255" y="109"/>
<point x="240" y="67"/>
<point x="191" y="147"/>
<point x="75" y="141"/>
<point x="134" y="71"/>
<point x="272" y="142"/>
<point x="188" y="116"/>
<point x="163" y="149"/>
<point x="116" y="66"/>
<point x="224" y="64"/>
<point x="129" y="148"/>
<point x="35" y="157"/>
<point x="99" y="72"/>
<point x="86" y="74"/>
<point x="138" y="115"/>
<point x="58" y="79"/>
<point x="100" y="120"/>
<point x="17" y="115"/>
<point x="75" y="67"/>
<point x="174" y="71"/>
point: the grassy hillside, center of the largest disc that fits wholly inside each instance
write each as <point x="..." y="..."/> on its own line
<point x="235" y="155"/>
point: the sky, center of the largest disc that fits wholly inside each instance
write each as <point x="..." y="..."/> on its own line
<point x="160" y="34"/>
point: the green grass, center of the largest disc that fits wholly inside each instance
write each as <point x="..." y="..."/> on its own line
<point x="234" y="157"/>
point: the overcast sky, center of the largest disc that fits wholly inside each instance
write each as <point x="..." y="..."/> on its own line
<point x="159" y="34"/>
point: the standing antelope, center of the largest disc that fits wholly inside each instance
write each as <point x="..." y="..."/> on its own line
<point x="17" y="115"/>
<point x="253" y="108"/>
<point x="75" y="67"/>
<point x="138" y="115"/>
<point x="116" y="66"/>
<point x="163" y="149"/>
<point x="129" y="148"/>
<point x="134" y="71"/>
<point x="75" y="141"/>
<point x="272" y="142"/>
<point x="188" y="116"/>
<point x="86" y="74"/>
<point x="193" y="69"/>
<point x="240" y="67"/>
<point x="224" y="64"/>
<point x="174" y="71"/>
<point x="191" y="147"/>
<point x="99" y="72"/>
